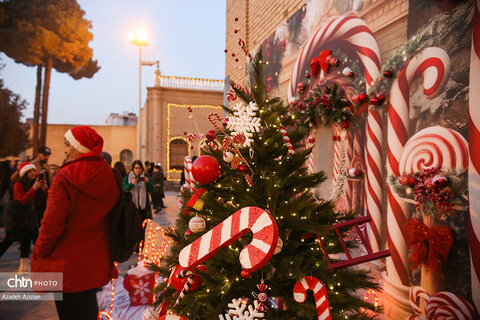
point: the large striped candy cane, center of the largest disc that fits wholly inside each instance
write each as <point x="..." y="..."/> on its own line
<point x="434" y="64"/>
<point x="436" y="147"/>
<point x="319" y="293"/>
<point x="189" y="274"/>
<point x="253" y="256"/>
<point x="474" y="164"/>
<point x="439" y="306"/>
<point x="353" y="33"/>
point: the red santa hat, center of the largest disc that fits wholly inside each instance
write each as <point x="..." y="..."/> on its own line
<point x="24" y="167"/>
<point x="85" y="139"/>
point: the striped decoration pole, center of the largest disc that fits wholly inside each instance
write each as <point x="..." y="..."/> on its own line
<point x="349" y="184"/>
<point x="336" y="154"/>
<point x="474" y="151"/>
<point x="434" y="64"/>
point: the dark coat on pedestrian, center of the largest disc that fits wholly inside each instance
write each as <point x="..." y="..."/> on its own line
<point x="73" y="235"/>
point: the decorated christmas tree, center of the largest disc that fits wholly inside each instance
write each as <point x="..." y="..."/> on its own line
<point x="258" y="173"/>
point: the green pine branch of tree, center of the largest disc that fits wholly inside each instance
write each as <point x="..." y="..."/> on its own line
<point x="282" y="185"/>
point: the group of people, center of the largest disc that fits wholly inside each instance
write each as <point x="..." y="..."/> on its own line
<point x="72" y="210"/>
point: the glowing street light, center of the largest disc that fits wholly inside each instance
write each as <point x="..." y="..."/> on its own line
<point x="140" y="39"/>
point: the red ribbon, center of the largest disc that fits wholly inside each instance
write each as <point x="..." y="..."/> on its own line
<point x="320" y="62"/>
<point x="429" y="246"/>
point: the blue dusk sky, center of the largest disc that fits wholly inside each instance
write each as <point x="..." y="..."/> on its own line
<point x="186" y="36"/>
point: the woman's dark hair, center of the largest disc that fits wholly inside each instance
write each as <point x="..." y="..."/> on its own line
<point x="120" y="167"/>
<point x="139" y="163"/>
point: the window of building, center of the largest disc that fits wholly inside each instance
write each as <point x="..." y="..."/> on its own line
<point x="126" y="156"/>
<point x="178" y="151"/>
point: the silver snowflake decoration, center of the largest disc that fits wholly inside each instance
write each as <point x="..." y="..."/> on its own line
<point x="244" y="121"/>
<point x="237" y="310"/>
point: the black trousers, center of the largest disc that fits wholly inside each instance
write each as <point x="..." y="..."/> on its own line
<point x="78" y="305"/>
<point x="24" y="244"/>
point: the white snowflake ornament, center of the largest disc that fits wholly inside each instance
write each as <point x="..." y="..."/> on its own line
<point x="244" y="121"/>
<point x="237" y="310"/>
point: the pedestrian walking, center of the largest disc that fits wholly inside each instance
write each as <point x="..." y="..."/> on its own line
<point x="73" y="237"/>
<point x="20" y="219"/>
<point x="120" y="167"/>
<point x="139" y="184"/>
<point x="158" y="193"/>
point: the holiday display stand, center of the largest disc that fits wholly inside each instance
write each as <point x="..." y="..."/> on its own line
<point x="253" y="256"/>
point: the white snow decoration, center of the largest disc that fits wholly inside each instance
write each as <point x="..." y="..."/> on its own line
<point x="237" y="310"/>
<point x="244" y="121"/>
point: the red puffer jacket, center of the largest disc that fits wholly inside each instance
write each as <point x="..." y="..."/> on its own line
<point x="73" y="236"/>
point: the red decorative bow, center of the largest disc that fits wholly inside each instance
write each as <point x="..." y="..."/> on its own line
<point x="320" y="62"/>
<point x="429" y="246"/>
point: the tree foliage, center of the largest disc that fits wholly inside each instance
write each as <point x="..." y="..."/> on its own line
<point x="13" y="133"/>
<point x="47" y="34"/>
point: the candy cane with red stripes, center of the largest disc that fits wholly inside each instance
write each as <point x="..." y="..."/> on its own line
<point x="189" y="179"/>
<point x="287" y="141"/>
<point x="319" y="293"/>
<point x="474" y="165"/>
<point x="434" y="64"/>
<point x="253" y="256"/>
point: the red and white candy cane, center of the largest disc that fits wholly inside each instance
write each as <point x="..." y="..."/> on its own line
<point x="288" y="143"/>
<point x="253" y="256"/>
<point x="243" y="45"/>
<point x="188" y="284"/>
<point x="347" y="31"/>
<point x="319" y="293"/>
<point x="434" y="64"/>
<point x="436" y="147"/>
<point x="189" y="179"/>
<point x="474" y="164"/>
<point x="439" y="306"/>
<point x="214" y="118"/>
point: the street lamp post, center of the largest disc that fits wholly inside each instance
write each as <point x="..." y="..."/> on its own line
<point x="139" y="38"/>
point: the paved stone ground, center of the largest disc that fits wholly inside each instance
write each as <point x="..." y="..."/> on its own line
<point x="45" y="310"/>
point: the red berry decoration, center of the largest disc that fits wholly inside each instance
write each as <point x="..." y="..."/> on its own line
<point x="245" y="274"/>
<point x="374" y="101"/>
<point x="190" y="109"/>
<point x="307" y="75"/>
<point x="236" y="59"/>
<point x="380" y="98"/>
<point x="206" y="169"/>
<point x="185" y="133"/>
<point x="351" y="74"/>
<point x="233" y="54"/>
<point x="439" y="180"/>
<point x="242" y="168"/>
<point x="362" y="97"/>
<point x="388" y="73"/>
<point x="188" y="233"/>
<point x="429" y="183"/>
<point x="357" y="173"/>
<point x="236" y="19"/>
<point x="345" y="124"/>
<point x="403" y="180"/>
<point x="226" y="50"/>
<point x="211" y="135"/>
<point x="236" y="30"/>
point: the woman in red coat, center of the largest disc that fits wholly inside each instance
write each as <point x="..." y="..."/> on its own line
<point x="73" y="237"/>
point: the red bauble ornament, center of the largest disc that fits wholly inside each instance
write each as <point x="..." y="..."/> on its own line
<point x="388" y="73"/>
<point x="403" y="180"/>
<point x="439" y="180"/>
<point x="226" y="50"/>
<point x="374" y="101"/>
<point x="242" y="168"/>
<point x="429" y="183"/>
<point x="356" y="99"/>
<point x="245" y="274"/>
<point x="236" y="59"/>
<point x="206" y="169"/>
<point x="179" y="283"/>
<point x="225" y="122"/>
<point x="380" y="98"/>
<point x="307" y="75"/>
<point x="189" y="109"/>
<point x="236" y="19"/>
<point x="233" y="54"/>
<point x="236" y="30"/>
<point x="412" y="181"/>
<point x="188" y="233"/>
<point x="211" y="135"/>
<point x="351" y="74"/>
<point x="362" y="97"/>
<point x="191" y="147"/>
<point x="357" y="172"/>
